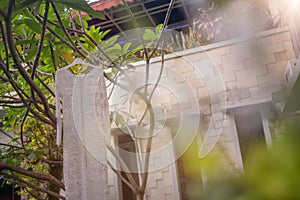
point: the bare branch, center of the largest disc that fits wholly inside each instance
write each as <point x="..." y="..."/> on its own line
<point x="123" y="166"/>
<point x="164" y="27"/>
<point x="137" y="27"/>
<point x="41" y="43"/>
<point x="22" y="127"/>
<point x="118" y="173"/>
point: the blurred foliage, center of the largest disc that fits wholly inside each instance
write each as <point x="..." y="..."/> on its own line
<point x="226" y="19"/>
<point x="270" y="174"/>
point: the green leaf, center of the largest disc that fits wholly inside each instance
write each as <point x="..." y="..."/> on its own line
<point x="138" y="48"/>
<point x="81" y="5"/>
<point x="158" y="29"/>
<point x="103" y="34"/>
<point x="110" y="41"/>
<point x="126" y="47"/>
<point x="31" y="53"/>
<point x="23" y="5"/>
<point x="3" y="4"/>
<point x="33" y="25"/>
<point x="149" y="35"/>
<point x="24" y="42"/>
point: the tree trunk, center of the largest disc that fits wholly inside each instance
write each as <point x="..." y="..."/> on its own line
<point x="56" y="171"/>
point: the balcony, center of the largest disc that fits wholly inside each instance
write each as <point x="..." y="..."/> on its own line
<point x="209" y="23"/>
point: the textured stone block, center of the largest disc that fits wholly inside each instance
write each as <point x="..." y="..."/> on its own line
<point x="268" y="58"/>
<point x="191" y="76"/>
<point x="277" y="70"/>
<point x="288" y="45"/>
<point x="197" y="83"/>
<point x="194" y="57"/>
<point x="286" y="36"/>
<point x="242" y="50"/>
<point x="205" y="68"/>
<point x="220" y="51"/>
<point x="291" y="54"/>
<point x="245" y="78"/>
<point x="182" y="65"/>
<point x="281" y="56"/>
<point x="238" y="94"/>
<point x="232" y="62"/>
<point x="231" y="85"/>
<point x="170" y="62"/>
<point x="215" y="84"/>
<point x="255" y="92"/>
<point x="228" y="75"/>
<point x="277" y="47"/>
<point x="216" y="59"/>
<point x="203" y="92"/>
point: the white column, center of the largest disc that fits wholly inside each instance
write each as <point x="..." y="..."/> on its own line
<point x="266" y="127"/>
<point x="235" y="137"/>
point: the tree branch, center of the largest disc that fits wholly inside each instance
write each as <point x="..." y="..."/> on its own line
<point x="136" y="25"/>
<point x="27" y="184"/>
<point x="9" y="145"/>
<point x="64" y="29"/>
<point x="32" y="174"/>
<point x="118" y="173"/>
<point x="123" y="166"/>
<point x="19" y="66"/>
<point x="41" y="43"/>
<point x="30" y="193"/>
<point x="17" y="90"/>
<point x="5" y="44"/>
<point x="164" y="27"/>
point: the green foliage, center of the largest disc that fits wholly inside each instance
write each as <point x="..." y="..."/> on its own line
<point x="28" y="125"/>
<point x="30" y="130"/>
<point x="81" y="5"/>
<point x="29" y="57"/>
<point x="269" y="174"/>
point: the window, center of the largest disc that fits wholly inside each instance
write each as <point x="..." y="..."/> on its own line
<point x="126" y="143"/>
<point x="250" y="131"/>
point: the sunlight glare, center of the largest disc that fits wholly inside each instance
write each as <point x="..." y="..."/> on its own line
<point x="295" y="3"/>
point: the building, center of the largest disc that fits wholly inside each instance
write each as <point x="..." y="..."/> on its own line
<point x="260" y="79"/>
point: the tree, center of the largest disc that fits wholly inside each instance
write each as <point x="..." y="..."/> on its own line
<point x="39" y="37"/>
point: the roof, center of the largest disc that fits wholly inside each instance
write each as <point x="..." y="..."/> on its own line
<point x="148" y="13"/>
<point x="106" y="4"/>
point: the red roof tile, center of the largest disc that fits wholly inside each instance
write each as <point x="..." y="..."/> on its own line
<point x="105" y="4"/>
